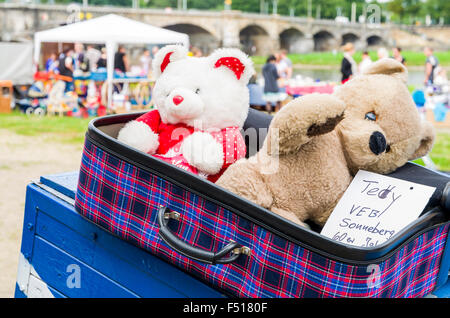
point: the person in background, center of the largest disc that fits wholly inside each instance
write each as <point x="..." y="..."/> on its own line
<point x="365" y="62"/>
<point x="271" y="89"/>
<point x="397" y="55"/>
<point x="155" y="50"/>
<point x="66" y="68"/>
<point x="121" y="60"/>
<point x="51" y="64"/>
<point x="430" y="65"/>
<point x="120" y="65"/>
<point x="79" y="58"/>
<point x="382" y="53"/>
<point x="348" y="64"/>
<point x="440" y="78"/>
<point x="101" y="63"/>
<point x="284" y="65"/>
<point x="196" y="52"/>
<point x="92" y="55"/>
<point x="146" y="62"/>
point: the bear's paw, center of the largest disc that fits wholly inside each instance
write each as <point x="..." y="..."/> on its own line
<point x="140" y="136"/>
<point x="202" y="151"/>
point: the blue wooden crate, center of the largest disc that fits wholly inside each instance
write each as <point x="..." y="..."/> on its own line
<point x="65" y="255"/>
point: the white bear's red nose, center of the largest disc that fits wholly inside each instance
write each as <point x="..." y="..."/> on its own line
<point x="177" y="99"/>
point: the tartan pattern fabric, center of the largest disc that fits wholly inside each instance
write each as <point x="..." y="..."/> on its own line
<point x="124" y="200"/>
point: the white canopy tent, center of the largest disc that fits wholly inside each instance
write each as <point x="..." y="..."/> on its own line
<point x="110" y="30"/>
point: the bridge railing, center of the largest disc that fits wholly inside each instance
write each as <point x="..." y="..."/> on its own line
<point x="211" y="13"/>
<point x="176" y="11"/>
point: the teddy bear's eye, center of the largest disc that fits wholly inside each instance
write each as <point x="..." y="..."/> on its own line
<point x="371" y="116"/>
<point x="197" y="91"/>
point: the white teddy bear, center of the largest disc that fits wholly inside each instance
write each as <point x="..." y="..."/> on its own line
<point x="201" y="105"/>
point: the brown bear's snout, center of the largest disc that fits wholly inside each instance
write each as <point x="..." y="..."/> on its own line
<point x="377" y="142"/>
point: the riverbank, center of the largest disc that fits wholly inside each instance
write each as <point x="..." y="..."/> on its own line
<point x="335" y="67"/>
<point x="323" y="60"/>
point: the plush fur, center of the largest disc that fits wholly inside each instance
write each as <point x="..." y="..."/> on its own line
<point x="222" y="100"/>
<point x="210" y="160"/>
<point x="198" y="101"/>
<point x="139" y="135"/>
<point x="317" y="143"/>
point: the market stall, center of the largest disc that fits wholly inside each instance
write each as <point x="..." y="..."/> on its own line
<point x="110" y="30"/>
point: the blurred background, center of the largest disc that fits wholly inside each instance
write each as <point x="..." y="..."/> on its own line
<point x="63" y="63"/>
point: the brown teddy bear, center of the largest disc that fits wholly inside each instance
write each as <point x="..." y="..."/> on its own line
<point x="317" y="143"/>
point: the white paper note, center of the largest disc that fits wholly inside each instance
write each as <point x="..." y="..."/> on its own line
<point x="374" y="208"/>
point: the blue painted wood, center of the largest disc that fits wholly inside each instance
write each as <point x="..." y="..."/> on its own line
<point x="56" y="268"/>
<point x="18" y="293"/>
<point x="56" y="293"/>
<point x="60" y="225"/>
<point x="443" y="291"/>
<point x="55" y="236"/>
<point x="29" y="223"/>
<point x="92" y="254"/>
<point x="65" y="183"/>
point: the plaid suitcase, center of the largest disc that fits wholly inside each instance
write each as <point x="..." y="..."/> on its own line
<point x="240" y="248"/>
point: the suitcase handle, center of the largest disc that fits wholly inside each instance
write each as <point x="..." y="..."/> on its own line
<point x="192" y="252"/>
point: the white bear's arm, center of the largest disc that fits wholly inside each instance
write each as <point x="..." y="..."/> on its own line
<point x="140" y="136"/>
<point x="202" y="151"/>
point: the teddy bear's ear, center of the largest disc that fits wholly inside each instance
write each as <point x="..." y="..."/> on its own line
<point x="234" y="61"/>
<point x="426" y="141"/>
<point x="166" y="55"/>
<point x="388" y="66"/>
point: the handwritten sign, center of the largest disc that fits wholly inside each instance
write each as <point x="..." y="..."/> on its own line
<point x="374" y="208"/>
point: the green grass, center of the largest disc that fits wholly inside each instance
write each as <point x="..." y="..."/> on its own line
<point x="334" y="59"/>
<point x="440" y="154"/>
<point x="62" y="129"/>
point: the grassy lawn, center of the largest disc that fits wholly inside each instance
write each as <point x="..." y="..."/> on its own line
<point x="440" y="154"/>
<point x="62" y="129"/>
<point x="72" y="130"/>
<point x="331" y="59"/>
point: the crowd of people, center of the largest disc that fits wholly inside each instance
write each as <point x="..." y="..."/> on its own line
<point x="78" y="60"/>
<point x="350" y="68"/>
<point x="278" y="70"/>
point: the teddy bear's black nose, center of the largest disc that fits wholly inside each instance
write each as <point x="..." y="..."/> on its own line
<point x="377" y="142"/>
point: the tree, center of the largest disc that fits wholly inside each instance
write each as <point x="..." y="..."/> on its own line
<point x="438" y="9"/>
<point x="397" y="8"/>
<point x="246" y="5"/>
